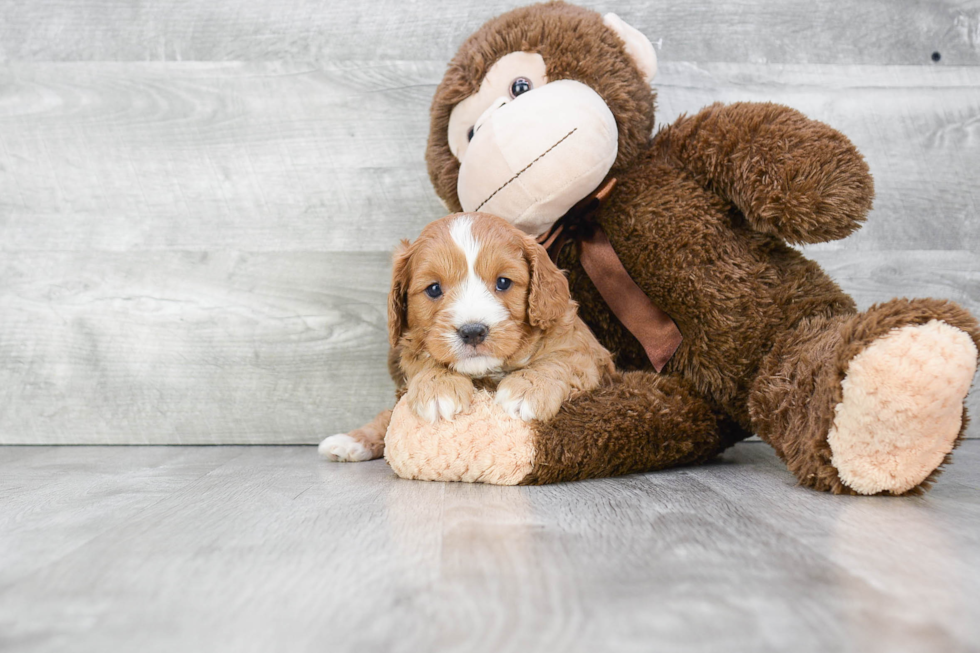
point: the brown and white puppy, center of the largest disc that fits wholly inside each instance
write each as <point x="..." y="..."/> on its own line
<point x="477" y="303"/>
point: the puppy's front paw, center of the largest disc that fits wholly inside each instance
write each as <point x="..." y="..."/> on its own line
<point x="439" y="397"/>
<point x="528" y="397"/>
<point x="344" y="449"/>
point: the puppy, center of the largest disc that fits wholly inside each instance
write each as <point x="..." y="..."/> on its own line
<point x="477" y="303"/>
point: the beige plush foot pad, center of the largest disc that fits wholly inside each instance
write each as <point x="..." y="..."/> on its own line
<point x="482" y="445"/>
<point x="902" y="407"/>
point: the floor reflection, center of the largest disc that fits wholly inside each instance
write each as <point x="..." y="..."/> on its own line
<point x="901" y="579"/>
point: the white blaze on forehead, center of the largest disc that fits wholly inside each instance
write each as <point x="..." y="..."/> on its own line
<point x="461" y="231"/>
<point x="474" y="303"/>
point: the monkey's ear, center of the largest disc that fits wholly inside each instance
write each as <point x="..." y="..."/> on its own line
<point x="637" y="45"/>
<point x="398" y="297"/>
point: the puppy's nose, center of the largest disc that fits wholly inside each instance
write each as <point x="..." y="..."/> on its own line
<point x="473" y="333"/>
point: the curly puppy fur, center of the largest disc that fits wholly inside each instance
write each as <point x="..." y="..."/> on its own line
<point x="701" y="219"/>
<point x="535" y="353"/>
<point x="542" y="352"/>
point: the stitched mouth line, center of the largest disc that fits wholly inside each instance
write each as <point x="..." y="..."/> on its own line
<point x="525" y="168"/>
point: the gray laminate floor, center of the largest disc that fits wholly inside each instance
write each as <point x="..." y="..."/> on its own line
<point x="270" y="549"/>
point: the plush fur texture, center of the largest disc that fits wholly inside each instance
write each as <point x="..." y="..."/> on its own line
<point x="645" y="422"/>
<point x="807" y="369"/>
<point x="483" y="444"/>
<point x="701" y="219"/>
<point x="902" y="407"/>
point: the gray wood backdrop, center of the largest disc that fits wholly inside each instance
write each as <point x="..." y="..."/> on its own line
<point x="197" y="199"/>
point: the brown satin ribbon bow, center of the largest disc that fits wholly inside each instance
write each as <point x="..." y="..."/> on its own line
<point x="647" y="322"/>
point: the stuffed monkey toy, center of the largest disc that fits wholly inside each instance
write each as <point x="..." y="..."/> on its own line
<point x="545" y="117"/>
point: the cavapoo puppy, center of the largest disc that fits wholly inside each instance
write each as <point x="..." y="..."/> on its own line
<point x="476" y="303"/>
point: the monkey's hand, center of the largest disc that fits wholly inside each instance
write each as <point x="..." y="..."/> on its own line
<point x="790" y="176"/>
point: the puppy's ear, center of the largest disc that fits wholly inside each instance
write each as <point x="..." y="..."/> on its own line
<point x="548" y="296"/>
<point x="398" y="297"/>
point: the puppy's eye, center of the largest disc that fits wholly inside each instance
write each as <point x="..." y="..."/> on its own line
<point x="503" y="283"/>
<point x="519" y="86"/>
<point x="434" y="291"/>
<point x="470" y="133"/>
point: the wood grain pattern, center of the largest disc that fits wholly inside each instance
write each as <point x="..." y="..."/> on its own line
<point x="872" y="277"/>
<point x="259" y="157"/>
<point x="749" y="31"/>
<point x="269" y="548"/>
<point x="276" y="157"/>
<point x="42" y="490"/>
<point x="190" y="348"/>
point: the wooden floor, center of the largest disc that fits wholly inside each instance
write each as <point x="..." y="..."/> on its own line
<point x="271" y="549"/>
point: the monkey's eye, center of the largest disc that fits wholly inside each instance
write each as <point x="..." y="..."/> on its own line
<point x="503" y="283"/>
<point x="469" y="134"/>
<point x="520" y="86"/>
<point x="434" y="291"/>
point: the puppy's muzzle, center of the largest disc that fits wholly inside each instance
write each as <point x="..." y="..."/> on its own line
<point x="473" y="334"/>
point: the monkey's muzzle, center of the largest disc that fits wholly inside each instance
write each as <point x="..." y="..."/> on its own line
<point x="534" y="157"/>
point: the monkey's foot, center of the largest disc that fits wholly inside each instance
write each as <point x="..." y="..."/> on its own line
<point x="902" y="407"/>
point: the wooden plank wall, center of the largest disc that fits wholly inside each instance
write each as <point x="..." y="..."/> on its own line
<point x="197" y="199"/>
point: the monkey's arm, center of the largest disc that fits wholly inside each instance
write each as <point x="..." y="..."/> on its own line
<point x="790" y="176"/>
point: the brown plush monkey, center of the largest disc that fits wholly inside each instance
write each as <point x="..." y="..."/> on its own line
<point x="543" y="104"/>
